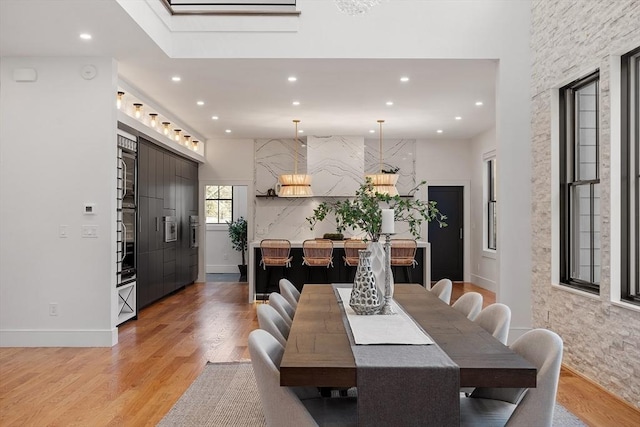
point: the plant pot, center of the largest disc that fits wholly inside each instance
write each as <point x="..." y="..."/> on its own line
<point x="243" y="272"/>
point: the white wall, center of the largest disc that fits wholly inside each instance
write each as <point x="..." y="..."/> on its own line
<point x="57" y="152"/>
<point x="484" y="264"/>
<point x="483" y="29"/>
<point x="447" y="162"/>
<point x="228" y="162"/>
<point x="220" y="256"/>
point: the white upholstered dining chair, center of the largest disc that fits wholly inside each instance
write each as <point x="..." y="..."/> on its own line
<point x="283" y="307"/>
<point x="469" y="304"/>
<point x="289" y="291"/>
<point x="515" y="407"/>
<point x="282" y="406"/>
<point x="496" y="320"/>
<point x="271" y="321"/>
<point x="443" y="289"/>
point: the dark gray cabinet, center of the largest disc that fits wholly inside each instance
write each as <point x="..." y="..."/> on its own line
<point x="169" y="182"/>
<point x="168" y="186"/>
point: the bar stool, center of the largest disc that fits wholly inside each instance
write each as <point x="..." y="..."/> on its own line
<point x="403" y="254"/>
<point x="275" y="254"/>
<point x="351" y="257"/>
<point x="317" y="253"/>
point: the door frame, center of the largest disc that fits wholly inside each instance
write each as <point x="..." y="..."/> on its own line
<point x="466" y="220"/>
<point x="202" y="253"/>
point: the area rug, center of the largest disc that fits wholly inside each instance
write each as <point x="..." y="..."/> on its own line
<point x="226" y="395"/>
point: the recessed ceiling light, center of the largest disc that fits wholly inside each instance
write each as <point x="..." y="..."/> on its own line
<point x="389" y="103"/>
<point x="200" y="103"/>
<point x="404" y="79"/>
<point x="214" y="117"/>
<point x="292" y="78"/>
<point x="372" y="131"/>
<point x="479" y="103"/>
<point x="228" y="130"/>
<point x="458" y="118"/>
<point x="85" y="36"/>
<point x="296" y="103"/>
<point x="439" y="131"/>
<point x="176" y="78"/>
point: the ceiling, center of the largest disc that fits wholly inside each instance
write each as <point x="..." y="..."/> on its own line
<point x="253" y="97"/>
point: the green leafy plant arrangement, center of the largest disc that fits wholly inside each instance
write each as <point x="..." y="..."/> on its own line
<point x="363" y="211"/>
<point x="238" y="236"/>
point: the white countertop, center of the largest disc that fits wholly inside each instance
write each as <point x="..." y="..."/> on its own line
<point x="336" y="244"/>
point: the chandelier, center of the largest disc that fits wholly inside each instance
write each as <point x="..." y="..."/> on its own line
<point x="295" y="184"/>
<point x="356" y="7"/>
<point x="383" y="183"/>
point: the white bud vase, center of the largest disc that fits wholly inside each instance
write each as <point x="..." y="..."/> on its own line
<point x="378" y="264"/>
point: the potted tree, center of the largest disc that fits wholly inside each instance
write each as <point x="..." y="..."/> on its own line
<point x="238" y="236"/>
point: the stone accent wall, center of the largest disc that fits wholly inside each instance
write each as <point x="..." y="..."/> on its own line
<point x="286" y="218"/>
<point x="569" y="39"/>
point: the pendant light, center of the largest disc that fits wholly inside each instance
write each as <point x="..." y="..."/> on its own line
<point x="295" y="185"/>
<point x="383" y="183"/>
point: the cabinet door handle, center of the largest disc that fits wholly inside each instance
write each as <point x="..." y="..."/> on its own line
<point x="124" y="242"/>
<point x="461" y="234"/>
<point x="157" y="223"/>
<point x="124" y="178"/>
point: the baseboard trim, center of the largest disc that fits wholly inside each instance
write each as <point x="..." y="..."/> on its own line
<point x="58" y="338"/>
<point x="577" y="373"/>
<point x="214" y="268"/>
<point x="483" y="282"/>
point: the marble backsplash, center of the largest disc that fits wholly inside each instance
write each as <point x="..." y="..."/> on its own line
<point x="339" y="167"/>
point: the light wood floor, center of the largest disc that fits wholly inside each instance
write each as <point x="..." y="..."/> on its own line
<point x="159" y="355"/>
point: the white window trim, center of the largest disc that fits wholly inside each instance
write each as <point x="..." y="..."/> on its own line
<point x="217" y="227"/>
<point x="615" y="92"/>
<point x="615" y="196"/>
<point x="486" y="251"/>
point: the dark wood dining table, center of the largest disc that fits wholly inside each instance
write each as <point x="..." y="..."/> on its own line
<point x="319" y="353"/>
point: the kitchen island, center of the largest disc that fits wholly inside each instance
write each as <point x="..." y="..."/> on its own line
<point x="339" y="273"/>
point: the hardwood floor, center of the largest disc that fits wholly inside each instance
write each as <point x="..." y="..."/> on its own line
<point x="159" y="355"/>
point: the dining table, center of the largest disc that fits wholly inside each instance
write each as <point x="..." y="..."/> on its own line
<point x="397" y="384"/>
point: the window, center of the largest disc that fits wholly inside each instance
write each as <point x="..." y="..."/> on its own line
<point x="630" y="271"/>
<point x="491" y="221"/>
<point x="219" y="204"/>
<point x="580" y="185"/>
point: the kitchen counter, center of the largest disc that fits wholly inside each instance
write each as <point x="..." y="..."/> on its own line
<point x="339" y="273"/>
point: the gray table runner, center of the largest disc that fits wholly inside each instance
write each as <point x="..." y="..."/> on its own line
<point x="405" y="385"/>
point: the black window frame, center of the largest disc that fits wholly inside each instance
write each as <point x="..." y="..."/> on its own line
<point x="630" y="145"/>
<point x="207" y="199"/>
<point x="491" y="207"/>
<point x="567" y="180"/>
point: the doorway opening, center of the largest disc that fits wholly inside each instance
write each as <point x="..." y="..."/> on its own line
<point x="447" y="243"/>
<point x="223" y="203"/>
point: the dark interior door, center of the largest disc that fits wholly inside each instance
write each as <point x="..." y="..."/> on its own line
<point x="447" y="249"/>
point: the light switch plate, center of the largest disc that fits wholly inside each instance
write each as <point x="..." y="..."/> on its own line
<point x="90" y="231"/>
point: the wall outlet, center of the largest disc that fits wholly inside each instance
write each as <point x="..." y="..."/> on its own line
<point x="53" y="309"/>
